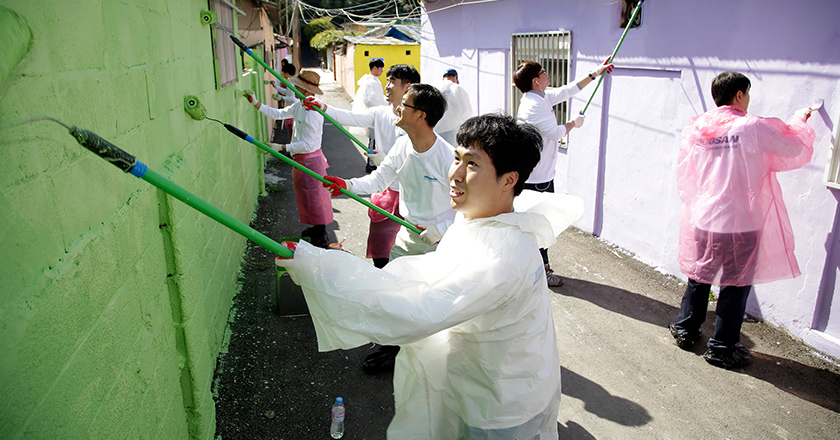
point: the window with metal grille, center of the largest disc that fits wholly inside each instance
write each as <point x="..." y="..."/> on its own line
<point x="224" y="50"/>
<point x="553" y="51"/>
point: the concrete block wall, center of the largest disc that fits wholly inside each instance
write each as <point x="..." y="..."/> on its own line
<point x="113" y="295"/>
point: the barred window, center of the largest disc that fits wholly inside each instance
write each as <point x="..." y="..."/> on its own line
<point x="553" y="51"/>
<point x="224" y="50"/>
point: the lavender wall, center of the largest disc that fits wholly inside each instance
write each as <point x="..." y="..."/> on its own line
<point x="622" y="160"/>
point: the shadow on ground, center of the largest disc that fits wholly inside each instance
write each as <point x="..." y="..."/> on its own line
<point x="816" y="385"/>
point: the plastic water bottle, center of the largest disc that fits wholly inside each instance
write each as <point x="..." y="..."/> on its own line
<point x="337" y="425"/>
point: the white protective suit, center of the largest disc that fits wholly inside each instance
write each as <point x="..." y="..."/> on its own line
<point x="458" y="110"/>
<point x="479" y="355"/>
<point x="369" y="95"/>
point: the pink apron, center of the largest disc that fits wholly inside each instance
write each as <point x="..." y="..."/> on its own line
<point x="383" y="231"/>
<point x="313" y="200"/>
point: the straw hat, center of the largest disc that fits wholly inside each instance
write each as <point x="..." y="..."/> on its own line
<point x="307" y="80"/>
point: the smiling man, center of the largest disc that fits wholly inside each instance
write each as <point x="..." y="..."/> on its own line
<point x="382" y="119"/>
<point x="480" y="357"/>
<point x="420" y="161"/>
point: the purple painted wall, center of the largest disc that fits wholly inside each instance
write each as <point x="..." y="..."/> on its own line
<point x="622" y="161"/>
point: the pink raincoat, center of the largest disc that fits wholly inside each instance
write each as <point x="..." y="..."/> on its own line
<point x="734" y="228"/>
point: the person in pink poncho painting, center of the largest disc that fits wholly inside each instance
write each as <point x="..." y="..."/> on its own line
<point x="734" y="228"/>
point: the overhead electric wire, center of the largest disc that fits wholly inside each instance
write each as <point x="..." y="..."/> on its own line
<point x="383" y="12"/>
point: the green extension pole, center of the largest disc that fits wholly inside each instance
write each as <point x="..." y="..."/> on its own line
<point x="297" y="92"/>
<point x="612" y="57"/>
<point x="245" y="136"/>
<point x="130" y="164"/>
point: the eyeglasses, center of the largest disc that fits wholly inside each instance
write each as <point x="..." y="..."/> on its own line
<point x="542" y="71"/>
<point x="415" y="108"/>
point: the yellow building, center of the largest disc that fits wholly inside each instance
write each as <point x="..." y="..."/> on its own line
<point x="395" y="44"/>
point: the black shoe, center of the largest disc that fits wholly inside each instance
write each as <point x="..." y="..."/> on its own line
<point x="737" y="358"/>
<point x="684" y="340"/>
<point x="321" y="240"/>
<point x="369" y="168"/>
<point x="382" y="360"/>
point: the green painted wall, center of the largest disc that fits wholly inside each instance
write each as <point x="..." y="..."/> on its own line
<point x="114" y="296"/>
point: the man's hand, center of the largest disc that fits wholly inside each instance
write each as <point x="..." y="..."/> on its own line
<point x="312" y="101"/>
<point x="579" y="121"/>
<point x="607" y="66"/>
<point x="430" y="235"/>
<point x="336" y="186"/>
<point x="803" y="113"/>
<point x="376" y="157"/>
<point x="290" y="245"/>
<point x="286" y="262"/>
<point x="249" y="95"/>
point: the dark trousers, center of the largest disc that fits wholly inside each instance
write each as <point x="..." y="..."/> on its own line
<point x="729" y="313"/>
<point x="542" y="187"/>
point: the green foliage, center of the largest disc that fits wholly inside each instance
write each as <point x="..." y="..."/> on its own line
<point x="327" y="38"/>
<point x="317" y="26"/>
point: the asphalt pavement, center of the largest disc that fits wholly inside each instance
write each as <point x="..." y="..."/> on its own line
<point x="622" y="375"/>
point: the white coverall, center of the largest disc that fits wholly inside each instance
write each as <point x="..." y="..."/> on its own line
<point x="458" y="110"/>
<point x="368" y="95"/>
<point x="479" y="355"/>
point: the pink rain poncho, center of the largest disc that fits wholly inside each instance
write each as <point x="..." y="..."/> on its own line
<point x="473" y="318"/>
<point x="734" y="228"/>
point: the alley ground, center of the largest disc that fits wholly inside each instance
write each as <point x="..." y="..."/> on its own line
<point x="622" y="375"/>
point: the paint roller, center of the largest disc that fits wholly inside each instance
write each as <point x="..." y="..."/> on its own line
<point x="208" y="17"/>
<point x="291" y="87"/>
<point x="815" y="107"/>
<point x="15" y="39"/>
<point x="128" y="163"/>
<point x="197" y="111"/>
<point x="612" y="57"/>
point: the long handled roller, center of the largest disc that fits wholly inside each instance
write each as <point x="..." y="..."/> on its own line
<point x="612" y="57"/>
<point x="241" y="134"/>
<point x="292" y="88"/>
<point x="198" y="112"/>
<point x="131" y="165"/>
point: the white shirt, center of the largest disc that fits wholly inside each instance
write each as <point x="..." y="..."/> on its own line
<point x="381" y="119"/>
<point x="458" y="109"/>
<point x="473" y="319"/>
<point x="308" y="129"/>
<point x="537" y="109"/>
<point x="285" y="93"/>
<point x="424" y="182"/>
